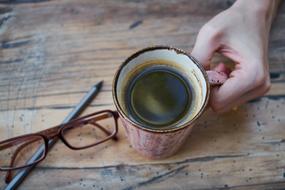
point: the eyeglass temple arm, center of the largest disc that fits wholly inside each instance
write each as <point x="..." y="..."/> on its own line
<point x="105" y="116"/>
<point x="52" y="132"/>
<point x="115" y="138"/>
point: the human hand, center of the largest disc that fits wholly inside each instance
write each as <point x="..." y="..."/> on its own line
<point x="241" y="34"/>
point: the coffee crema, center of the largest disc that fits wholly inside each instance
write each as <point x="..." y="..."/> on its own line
<point x="158" y="96"/>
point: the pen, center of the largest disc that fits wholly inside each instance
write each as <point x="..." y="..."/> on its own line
<point x="85" y="101"/>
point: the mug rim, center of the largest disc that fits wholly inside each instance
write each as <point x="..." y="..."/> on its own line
<point x="151" y="48"/>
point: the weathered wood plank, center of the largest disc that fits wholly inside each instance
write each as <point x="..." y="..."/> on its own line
<point x="250" y="140"/>
<point x="51" y="52"/>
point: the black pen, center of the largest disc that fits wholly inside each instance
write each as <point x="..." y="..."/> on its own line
<point x="85" y="101"/>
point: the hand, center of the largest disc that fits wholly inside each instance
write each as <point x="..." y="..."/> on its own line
<point x="241" y="34"/>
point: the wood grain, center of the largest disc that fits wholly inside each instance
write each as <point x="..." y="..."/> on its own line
<point x="51" y="52"/>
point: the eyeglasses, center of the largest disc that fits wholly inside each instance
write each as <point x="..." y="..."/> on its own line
<point x="81" y="133"/>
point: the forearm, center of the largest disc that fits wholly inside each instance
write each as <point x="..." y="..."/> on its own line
<point x="267" y="8"/>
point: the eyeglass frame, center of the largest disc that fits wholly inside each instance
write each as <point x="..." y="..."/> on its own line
<point x="57" y="132"/>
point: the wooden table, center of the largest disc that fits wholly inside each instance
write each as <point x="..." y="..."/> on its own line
<point x="53" y="51"/>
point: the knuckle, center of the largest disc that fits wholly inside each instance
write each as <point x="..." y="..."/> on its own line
<point x="256" y="73"/>
<point x="267" y="85"/>
<point x="218" y="110"/>
<point x="217" y="107"/>
<point x="260" y="80"/>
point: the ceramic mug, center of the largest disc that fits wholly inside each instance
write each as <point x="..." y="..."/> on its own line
<point x="163" y="142"/>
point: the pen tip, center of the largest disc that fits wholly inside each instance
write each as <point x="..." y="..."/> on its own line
<point x="99" y="84"/>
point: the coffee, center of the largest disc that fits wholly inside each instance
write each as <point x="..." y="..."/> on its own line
<point x="158" y="96"/>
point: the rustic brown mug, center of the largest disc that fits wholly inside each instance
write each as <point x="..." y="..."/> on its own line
<point x="163" y="142"/>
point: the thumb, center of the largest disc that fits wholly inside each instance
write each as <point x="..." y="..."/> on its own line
<point x="205" y="46"/>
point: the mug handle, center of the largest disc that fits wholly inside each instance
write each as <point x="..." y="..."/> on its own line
<point x="216" y="78"/>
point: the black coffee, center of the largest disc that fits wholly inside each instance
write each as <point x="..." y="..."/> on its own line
<point x="159" y="96"/>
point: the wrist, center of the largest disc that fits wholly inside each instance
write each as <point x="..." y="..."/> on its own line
<point x="260" y="8"/>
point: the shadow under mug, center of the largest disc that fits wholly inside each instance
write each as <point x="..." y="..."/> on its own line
<point x="163" y="142"/>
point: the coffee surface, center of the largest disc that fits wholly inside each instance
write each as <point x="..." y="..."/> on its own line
<point x="158" y="97"/>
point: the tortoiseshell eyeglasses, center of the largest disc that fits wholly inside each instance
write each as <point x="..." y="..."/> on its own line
<point x="85" y="132"/>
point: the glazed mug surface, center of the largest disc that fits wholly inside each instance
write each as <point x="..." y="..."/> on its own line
<point x="163" y="142"/>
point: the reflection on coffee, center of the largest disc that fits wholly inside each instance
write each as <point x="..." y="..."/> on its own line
<point x="158" y="96"/>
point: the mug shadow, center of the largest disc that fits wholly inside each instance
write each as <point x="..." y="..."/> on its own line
<point x="217" y="134"/>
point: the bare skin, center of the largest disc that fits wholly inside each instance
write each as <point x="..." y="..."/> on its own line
<point x="241" y="34"/>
